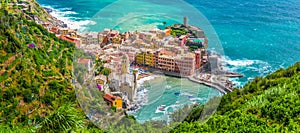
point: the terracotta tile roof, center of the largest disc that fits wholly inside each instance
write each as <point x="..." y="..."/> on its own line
<point x="109" y="97"/>
<point x="67" y="38"/>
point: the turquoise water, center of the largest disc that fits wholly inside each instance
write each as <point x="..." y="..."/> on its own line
<point x="257" y="37"/>
<point x="161" y="91"/>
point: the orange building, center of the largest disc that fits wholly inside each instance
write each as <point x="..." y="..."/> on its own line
<point x="167" y="32"/>
<point x="70" y="39"/>
<point x="54" y="30"/>
<point x="112" y="100"/>
<point x="165" y="60"/>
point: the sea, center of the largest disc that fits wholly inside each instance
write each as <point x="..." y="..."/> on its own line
<point x="255" y="38"/>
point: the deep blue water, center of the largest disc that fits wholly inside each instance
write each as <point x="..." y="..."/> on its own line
<point x="257" y="36"/>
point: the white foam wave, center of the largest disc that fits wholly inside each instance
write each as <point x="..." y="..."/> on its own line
<point x="240" y="62"/>
<point x="66" y="8"/>
<point x="142" y="80"/>
<point x="252" y="67"/>
<point x="64" y="14"/>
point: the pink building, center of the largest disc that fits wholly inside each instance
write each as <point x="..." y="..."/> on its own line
<point x="182" y="39"/>
<point x="131" y="57"/>
<point x="185" y="64"/>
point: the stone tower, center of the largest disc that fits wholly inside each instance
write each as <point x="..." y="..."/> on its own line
<point x="185" y="21"/>
<point x="125" y="64"/>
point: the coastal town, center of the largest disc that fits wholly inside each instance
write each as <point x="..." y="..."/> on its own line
<point x="178" y="50"/>
<point x="121" y="59"/>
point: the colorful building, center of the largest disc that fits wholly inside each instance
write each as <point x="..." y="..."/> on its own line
<point x="149" y="58"/>
<point x="185" y="64"/>
<point x="70" y="39"/>
<point x="113" y="101"/>
<point x="167" y="32"/>
<point x="146" y="57"/>
<point x="166" y="63"/>
<point x="196" y="42"/>
<point x="197" y="59"/>
<point x="165" y="60"/>
<point x="140" y="58"/>
<point x="183" y="39"/>
<point x="63" y="31"/>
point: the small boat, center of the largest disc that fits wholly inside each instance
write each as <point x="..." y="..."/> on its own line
<point x="250" y="79"/>
<point x="193" y="99"/>
<point x="177" y="93"/>
<point x="168" y="87"/>
<point x="160" y="109"/>
<point x="191" y="96"/>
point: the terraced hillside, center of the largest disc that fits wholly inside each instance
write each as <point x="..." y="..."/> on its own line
<point x="35" y="69"/>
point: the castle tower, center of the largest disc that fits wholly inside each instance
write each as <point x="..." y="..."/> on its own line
<point x="185" y="21"/>
<point x="125" y="64"/>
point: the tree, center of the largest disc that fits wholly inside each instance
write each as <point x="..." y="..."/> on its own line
<point x="106" y="71"/>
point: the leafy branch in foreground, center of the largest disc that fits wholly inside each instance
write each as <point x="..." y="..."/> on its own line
<point x="65" y="118"/>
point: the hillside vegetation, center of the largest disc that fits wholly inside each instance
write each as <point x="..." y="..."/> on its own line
<point x="269" y="104"/>
<point x="34" y="81"/>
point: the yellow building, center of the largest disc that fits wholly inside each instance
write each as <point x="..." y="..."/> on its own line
<point x="112" y="100"/>
<point x="140" y="58"/>
<point x="118" y="103"/>
<point x="145" y="58"/>
<point x="149" y="58"/>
